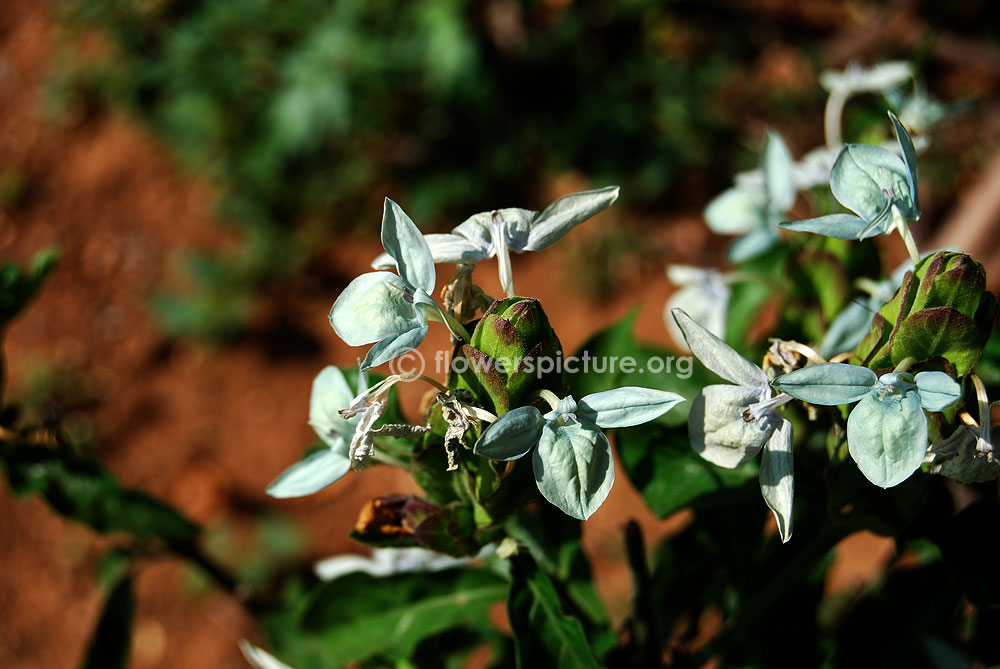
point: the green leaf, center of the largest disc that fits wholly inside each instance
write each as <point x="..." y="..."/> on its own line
<point x="573" y="467"/>
<point x="887" y="437"/>
<point x="112" y="639"/>
<point x="361" y="616"/>
<point x="18" y="287"/>
<point x="669" y="474"/>
<point x="544" y="636"/>
<point x="828" y="384"/>
<point x="82" y="490"/>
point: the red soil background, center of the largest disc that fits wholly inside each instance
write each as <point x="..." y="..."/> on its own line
<point x="207" y="430"/>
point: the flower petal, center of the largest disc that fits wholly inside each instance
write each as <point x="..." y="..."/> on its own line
<point x="568" y="211"/>
<point x="779" y="173"/>
<point x="330" y="394"/>
<point x="863" y="175"/>
<point x="887" y="437"/>
<point x="718" y="356"/>
<point x="736" y="212"/>
<point x="511" y="436"/>
<point x="752" y="244"/>
<point x="260" y="659"/>
<point x="574" y="469"/>
<point x="312" y="474"/>
<point x="839" y="226"/>
<point x="718" y="430"/>
<point x="909" y="159"/>
<point x="449" y="249"/>
<point x="937" y="390"/>
<point x="394" y="346"/>
<point x="406" y="245"/>
<point x="373" y="307"/>
<point x="777" y="478"/>
<point x="828" y="384"/>
<point x="625" y="407"/>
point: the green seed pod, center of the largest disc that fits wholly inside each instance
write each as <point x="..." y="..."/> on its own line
<point x="513" y="352"/>
<point x="942" y="313"/>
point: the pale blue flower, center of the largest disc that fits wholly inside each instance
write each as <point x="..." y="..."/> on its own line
<point x="573" y="465"/>
<point x="730" y="424"/>
<point x="498" y="232"/>
<point x="392" y="310"/>
<point x="754" y="213"/>
<point x="879" y="186"/>
<point x="887" y="430"/>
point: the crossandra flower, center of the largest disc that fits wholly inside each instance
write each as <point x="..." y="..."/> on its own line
<point x="392" y="310"/>
<point x="330" y="393"/>
<point x="498" y="232"/>
<point x="729" y="424"/>
<point x="573" y="466"/>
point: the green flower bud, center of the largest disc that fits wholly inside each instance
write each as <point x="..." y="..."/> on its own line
<point x="942" y="313"/>
<point x="513" y="352"/>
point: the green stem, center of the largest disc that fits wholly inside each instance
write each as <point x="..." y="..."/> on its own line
<point x="905" y="364"/>
<point x="831" y="117"/>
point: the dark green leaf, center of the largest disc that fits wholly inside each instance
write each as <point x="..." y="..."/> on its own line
<point x="544" y="636"/>
<point x="82" y="490"/>
<point x="669" y="474"/>
<point x="360" y="616"/>
<point x="109" y="646"/>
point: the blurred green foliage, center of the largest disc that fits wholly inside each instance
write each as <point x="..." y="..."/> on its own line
<point x="306" y="112"/>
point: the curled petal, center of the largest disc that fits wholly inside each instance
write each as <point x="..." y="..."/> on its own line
<point x="777" y="478"/>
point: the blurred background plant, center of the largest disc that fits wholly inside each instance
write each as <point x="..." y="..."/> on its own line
<point x="303" y="114"/>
